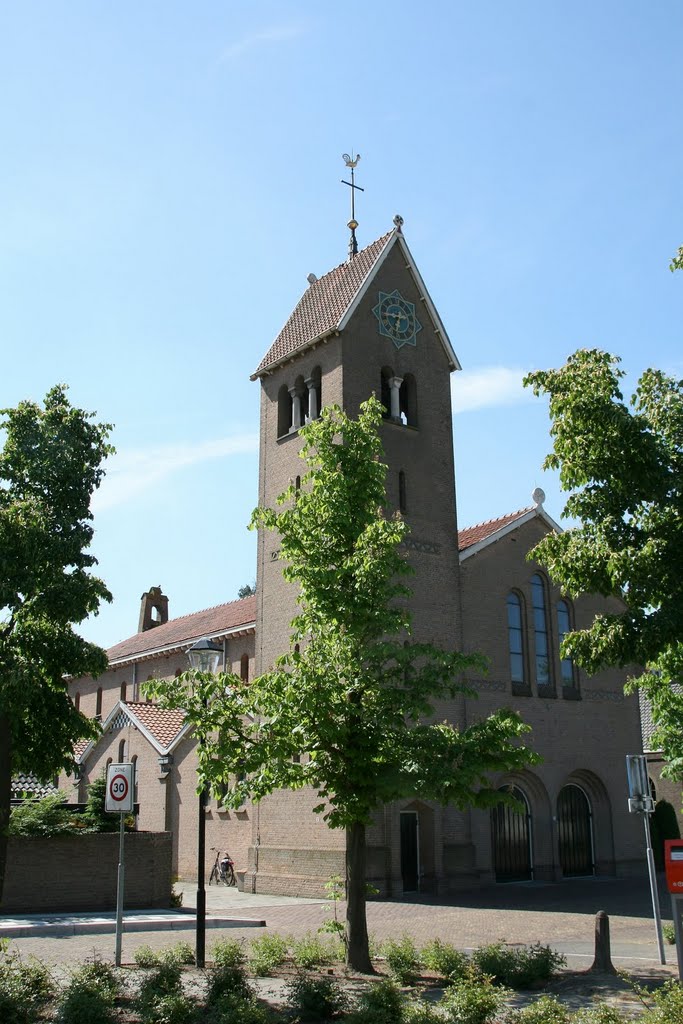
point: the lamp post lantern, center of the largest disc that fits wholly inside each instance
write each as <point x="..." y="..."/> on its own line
<point x="204" y="657"/>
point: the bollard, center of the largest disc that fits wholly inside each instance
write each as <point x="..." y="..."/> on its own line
<point x="603" y="953"/>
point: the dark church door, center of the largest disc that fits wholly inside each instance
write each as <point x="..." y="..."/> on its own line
<point x="410" y="860"/>
<point x="511" y="840"/>
<point x="575" y="831"/>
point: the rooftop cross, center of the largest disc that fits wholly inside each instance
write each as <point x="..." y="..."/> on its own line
<point x="352" y="163"/>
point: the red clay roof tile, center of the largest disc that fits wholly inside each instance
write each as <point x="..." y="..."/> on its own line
<point x="163" y="724"/>
<point x="322" y="306"/>
<point x="482" y="531"/>
<point x="186" y="628"/>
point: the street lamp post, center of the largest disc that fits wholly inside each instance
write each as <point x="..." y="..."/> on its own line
<point x="204" y="657"/>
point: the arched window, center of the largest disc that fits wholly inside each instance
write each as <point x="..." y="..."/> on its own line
<point x="385" y="390"/>
<point x="516" y="638"/>
<point x="122" y="693"/>
<point x="313" y="397"/>
<point x="148" y="699"/>
<point x="98" y="703"/>
<point x="284" y="411"/>
<point x="77" y="701"/>
<point x="408" y="400"/>
<point x="564" y="627"/>
<point x="402" y="502"/>
<point x="244" y="668"/>
<point x="122" y="751"/>
<point x="541" y="647"/>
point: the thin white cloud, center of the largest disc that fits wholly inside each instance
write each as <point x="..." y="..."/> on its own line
<point x="253" y="41"/>
<point x="488" y="386"/>
<point x="131" y="473"/>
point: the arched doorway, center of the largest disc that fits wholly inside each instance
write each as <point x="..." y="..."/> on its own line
<point x="511" y="839"/>
<point x="575" y="832"/>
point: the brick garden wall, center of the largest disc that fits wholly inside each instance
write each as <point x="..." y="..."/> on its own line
<point x="75" y="873"/>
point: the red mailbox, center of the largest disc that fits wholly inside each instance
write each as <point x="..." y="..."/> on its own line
<point x="673" y="862"/>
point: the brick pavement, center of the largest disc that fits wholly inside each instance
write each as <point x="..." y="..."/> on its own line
<point x="561" y="915"/>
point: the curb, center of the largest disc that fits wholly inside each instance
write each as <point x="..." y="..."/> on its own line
<point x="104" y="926"/>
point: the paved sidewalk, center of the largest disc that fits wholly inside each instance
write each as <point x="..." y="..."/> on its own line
<point x="559" y="914"/>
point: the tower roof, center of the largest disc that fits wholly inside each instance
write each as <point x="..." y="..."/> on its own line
<point x="328" y="302"/>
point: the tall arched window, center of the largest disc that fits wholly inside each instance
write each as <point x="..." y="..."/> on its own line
<point x="541" y="647"/>
<point x="385" y="390"/>
<point x="408" y="400"/>
<point x="402" y="500"/>
<point x="98" y="703"/>
<point x="122" y="751"/>
<point x="122" y="692"/>
<point x="77" y="701"/>
<point x="516" y="638"/>
<point x="244" y="668"/>
<point x="564" y="627"/>
<point x="284" y="411"/>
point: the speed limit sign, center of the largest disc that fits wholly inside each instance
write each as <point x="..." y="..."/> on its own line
<point x="120" y="796"/>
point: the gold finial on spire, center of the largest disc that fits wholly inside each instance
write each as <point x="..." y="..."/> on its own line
<point x="352" y="163"/>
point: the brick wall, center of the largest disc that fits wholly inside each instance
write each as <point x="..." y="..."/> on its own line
<point x="76" y="873"/>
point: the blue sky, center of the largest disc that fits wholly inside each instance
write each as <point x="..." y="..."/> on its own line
<point x="171" y="173"/>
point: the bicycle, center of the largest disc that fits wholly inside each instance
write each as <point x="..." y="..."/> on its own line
<point x="223" y="869"/>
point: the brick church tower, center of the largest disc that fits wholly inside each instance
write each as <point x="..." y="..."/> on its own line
<point x="367" y="326"/>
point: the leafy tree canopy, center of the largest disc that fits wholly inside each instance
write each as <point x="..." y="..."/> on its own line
<point x="50" y="465"/>
<point x="247" y="590"/>
<point x="349" y="709"/>
<point x="623" y="466"/>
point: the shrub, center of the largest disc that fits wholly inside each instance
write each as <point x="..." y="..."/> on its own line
<point x="417" y="1012"/>
<point x="602" y="1014"/>
<point x="382" y="1003"/>
<point x="26" y="987"/>
<point x="669" y="932"/>
<point x="174" y="1008"/>
<point x="546" y="1010"/>
<point x="517" y="966"/>
<point x="668" y="1008"/>
<point x="181" y="953"/>
<point x="100" y="974"/>
<point x="84" y="1005"/>
<point x="227" y="980"/>
<point x="402" y="959"/>
<point x="234" y="1009"/>
<point x="445" y="960"/>
<point x="46" y="817"/>
<point x="315" y="997"/>
<point x="160" y="999"/>
<point x="471" y="1000"/>
<point x="229" y="953"/>
<point x="90" y="995"/>
<point x="312" y="952"/>
<point x="267" y="953"/>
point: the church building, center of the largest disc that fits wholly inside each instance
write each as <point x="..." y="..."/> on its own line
<point x="369" y="325"/>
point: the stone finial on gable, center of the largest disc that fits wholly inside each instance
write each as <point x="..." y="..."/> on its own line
<point x="153" y="609"/>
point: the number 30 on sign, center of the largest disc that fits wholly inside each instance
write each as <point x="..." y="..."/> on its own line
<point x="120" y="789"/>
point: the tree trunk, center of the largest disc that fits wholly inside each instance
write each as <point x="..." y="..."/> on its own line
<point x="357" y="945"/>
<point x="5" y="792"/>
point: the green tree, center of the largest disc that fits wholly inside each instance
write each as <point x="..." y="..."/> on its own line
<point x="623" y="464"/>
<point x="677" y="261"/>
<point x="345" y="711"/>
<point x="50" y="465"/>
<point x="246" y="590"/>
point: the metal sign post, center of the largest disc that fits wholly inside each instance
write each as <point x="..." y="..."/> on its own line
<point x="640" y="802"/>
<point x="119" y="799"/>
